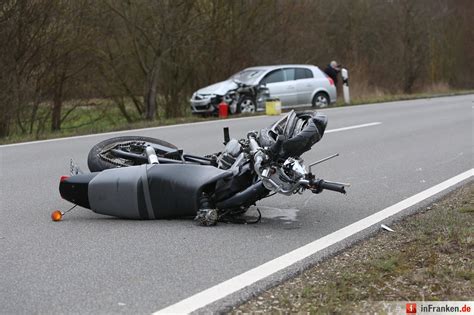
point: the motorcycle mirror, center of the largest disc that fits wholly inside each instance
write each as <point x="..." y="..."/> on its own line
<point x="321" y="161"/>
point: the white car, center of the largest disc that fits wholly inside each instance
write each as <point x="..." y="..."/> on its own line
<point x="294" y="85"/>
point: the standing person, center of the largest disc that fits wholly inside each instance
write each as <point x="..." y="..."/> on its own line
<point x="332" y="71"/>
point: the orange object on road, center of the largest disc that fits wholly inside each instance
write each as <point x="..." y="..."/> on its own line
<point x="56" y="215"/>
<point x="223" y="110"/>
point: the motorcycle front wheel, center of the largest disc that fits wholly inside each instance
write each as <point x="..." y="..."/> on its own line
<point x="104" y="154"/>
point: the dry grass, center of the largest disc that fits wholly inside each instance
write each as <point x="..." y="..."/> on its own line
<point x="436" y="88"/>
<point x="100" y="115"/>
<point x="363" y="92"/>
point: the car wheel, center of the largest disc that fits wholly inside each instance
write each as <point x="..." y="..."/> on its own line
<point x="320" y="100"/>
<point x="246" y="105"/>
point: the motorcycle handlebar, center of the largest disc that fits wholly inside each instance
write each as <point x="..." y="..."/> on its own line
<point x="321" y="184"/>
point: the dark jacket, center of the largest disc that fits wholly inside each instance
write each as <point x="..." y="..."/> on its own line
<point x="332" y="73"/>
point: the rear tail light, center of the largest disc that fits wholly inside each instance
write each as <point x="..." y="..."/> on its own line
<point x="63" y="178"/>
<point x="331" y="81"/>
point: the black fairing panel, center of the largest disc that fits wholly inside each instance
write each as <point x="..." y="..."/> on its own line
<point x="175" y="189"/>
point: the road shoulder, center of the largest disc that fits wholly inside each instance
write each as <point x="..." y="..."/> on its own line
<point x="427" y="257"/>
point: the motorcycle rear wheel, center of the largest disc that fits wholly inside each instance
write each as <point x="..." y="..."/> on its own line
<point x="96" y="163"/>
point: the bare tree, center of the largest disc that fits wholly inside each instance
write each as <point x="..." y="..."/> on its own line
<point x="148" y="56"/>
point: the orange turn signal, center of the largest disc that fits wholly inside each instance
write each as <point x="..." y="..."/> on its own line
<point x="56" y="215"/>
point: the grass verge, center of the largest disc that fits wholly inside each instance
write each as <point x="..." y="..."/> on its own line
<point x="383" y="98"/>
<point x="105" y="117"/>
<point x="428" y="257"/>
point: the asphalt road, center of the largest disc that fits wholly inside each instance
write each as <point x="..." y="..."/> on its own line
<point x="96" y="264"/>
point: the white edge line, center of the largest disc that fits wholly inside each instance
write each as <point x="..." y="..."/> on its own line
<point x="247" y="278"/>
<point x="164" y="127"/>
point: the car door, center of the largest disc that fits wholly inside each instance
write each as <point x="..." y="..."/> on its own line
<point x="305" y="85"/>
<point x="281" y="84"/>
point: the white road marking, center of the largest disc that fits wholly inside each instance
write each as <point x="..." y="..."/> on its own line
<point x="247" y="278"/>
<point x="354" y="127"/>
<point x="165" y="127"/>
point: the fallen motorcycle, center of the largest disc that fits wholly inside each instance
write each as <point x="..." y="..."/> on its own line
<point x="145" y="178"/>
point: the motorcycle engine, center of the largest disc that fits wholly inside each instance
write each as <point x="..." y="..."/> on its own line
<point x="283" y="179"/>
<point x="230" y="154"/>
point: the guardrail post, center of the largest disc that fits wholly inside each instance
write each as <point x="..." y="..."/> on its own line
<point x="345" y="85"/>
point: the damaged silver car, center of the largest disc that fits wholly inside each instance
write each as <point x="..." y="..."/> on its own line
<point x="294" y="85"/>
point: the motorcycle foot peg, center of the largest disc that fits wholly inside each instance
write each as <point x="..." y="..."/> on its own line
<point x="207" y="217"/>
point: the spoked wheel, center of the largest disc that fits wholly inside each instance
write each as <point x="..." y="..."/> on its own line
<point x="320" y="100"/>
<point x="123" y="151"/>
<point x="247" y="105"/>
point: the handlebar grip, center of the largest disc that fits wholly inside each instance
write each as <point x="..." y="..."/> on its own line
<point x="331" y="186"/>
<point x="276" y="147"/>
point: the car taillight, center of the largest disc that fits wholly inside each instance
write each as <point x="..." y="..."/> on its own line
<point x="331" y="81"/>
<point x="63" y="178"/>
